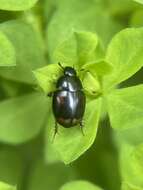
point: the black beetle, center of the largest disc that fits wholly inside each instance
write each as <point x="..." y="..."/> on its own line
<point x="68" y="100"/>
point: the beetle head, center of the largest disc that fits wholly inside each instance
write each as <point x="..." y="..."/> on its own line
<point x="69" y="71"/>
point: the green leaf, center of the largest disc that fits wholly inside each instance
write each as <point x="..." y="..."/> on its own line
<point x="139" y="1"/>
<point x="11" y="166"/>
<point x="128" y="186"/>
<point x="70" y="143"/>
<point x="22" y="118"/>
<point x="79" y="51"/>
<point x="80" y="48"/>
<point x="125" y="54"/>
<point x="72" y="16"/>
<point x="130" y="162"/>
<point x="15" y="5"/>
<point x="42" y="176"/>
<point x="28" y="48"/>
<point x="13" y="89"/>
<point x="78" y="185"/>
<point x="132" y="136"/>
<point x="138" y="160"/>
<point x="7" y="52"/>
<point x="100" y="67"/>
<point x="136" y="19"/>
<point x="4" y="186"/>
<point x="93" y="90"/>
<point x="125" y="107"/>
<point x="47" y="76"/>
<point x="50" y="154"/>
<point x="122" y="7"/>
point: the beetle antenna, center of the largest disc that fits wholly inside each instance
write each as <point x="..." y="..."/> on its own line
<point x="85" y="70"/>
<point x="81" y="127"/>
<point x="61" y="65"/>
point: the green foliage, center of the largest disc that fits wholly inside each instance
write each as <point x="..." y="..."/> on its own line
<point x="7" y="53"/>
<point x="132" y="171"/>
<point x="29" y="51"/>
<point x="136" y="19"/>
<point x="15" y="5"/>
<point x="19" y="117"/>
<point x="125" y="107"/>
<point x="122" y="8"/>
<point x="80" y="48"/>
<point x="68" y="18"/>
<point x="125" y="54"/>
<point x="11" y="167"/>
<point x="139" y="1"/>
<point x="126" y="186"/>
<point x="85" y="35"/>
<point x="4" y="186"/>
<point x="79" y="185"/>
<point x="43" y="176"/>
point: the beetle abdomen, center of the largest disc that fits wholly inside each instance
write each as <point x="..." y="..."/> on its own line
<point x="68" y="107"/>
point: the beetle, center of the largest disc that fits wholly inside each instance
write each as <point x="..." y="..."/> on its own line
<point x="69" y="100"/>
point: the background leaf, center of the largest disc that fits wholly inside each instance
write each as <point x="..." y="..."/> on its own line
<point x="67" y="17"/>
<point x="80" y="185"/>
<point x="125" y="54"/>
<point x="136" y="18"/>
<point x="130" y="161"/>
<point x="4" y="186"/>
<point x="28" y="48"/>
<point x="127" y="186"/>
<point x="132" y="136"/>
<point x="125" y="107"/>
<point x="22" y="118"/>
<point x="78" y="49"/>
<point x="11" y="167"/>
<point x="15" y="5"/>
<point x="50" y="154"/>
<point x="52" y="176"/>
<point x="7" y="52"/>
<point x="139" y="1"/>
<point x="122" y="8"/>
<point x="99" y="67"/>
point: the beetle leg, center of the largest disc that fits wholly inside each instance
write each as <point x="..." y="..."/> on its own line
<point x="56" y="130"/>
<point x="82" y="69"/>
<point x="81" y="127"/>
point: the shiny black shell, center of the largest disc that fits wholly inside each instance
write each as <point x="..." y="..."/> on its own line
<point x="69" y="99"/>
